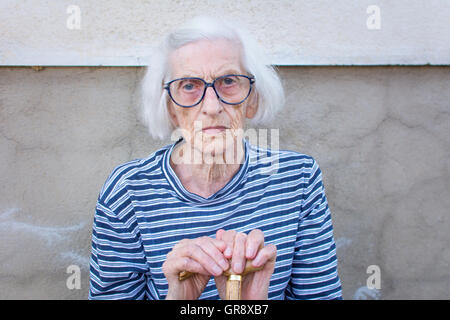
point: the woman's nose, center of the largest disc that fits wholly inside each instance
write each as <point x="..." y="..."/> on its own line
<point x="211" y="103"/>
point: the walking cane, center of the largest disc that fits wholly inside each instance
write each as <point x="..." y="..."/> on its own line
<point x="234" y="281"/>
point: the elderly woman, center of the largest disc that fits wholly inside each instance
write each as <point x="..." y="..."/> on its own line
<point x="212" y="200"/>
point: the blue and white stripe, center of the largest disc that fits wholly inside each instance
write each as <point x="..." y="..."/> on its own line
<point x="143" y="210"/>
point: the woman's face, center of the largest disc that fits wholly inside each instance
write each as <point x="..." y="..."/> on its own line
<point x="211" y="127"/>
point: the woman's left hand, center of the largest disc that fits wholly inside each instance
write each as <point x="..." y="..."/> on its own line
<point x="240" y="248"/>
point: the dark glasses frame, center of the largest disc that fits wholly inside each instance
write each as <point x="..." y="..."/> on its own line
<point x="210" y="84"/>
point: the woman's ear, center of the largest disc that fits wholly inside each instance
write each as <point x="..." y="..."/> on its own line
<point x="252" y="105"/>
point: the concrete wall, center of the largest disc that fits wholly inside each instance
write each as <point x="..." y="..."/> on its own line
<point x="380" y="134"/>
<point x="294" y="32"/>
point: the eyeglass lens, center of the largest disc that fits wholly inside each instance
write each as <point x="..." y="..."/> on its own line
<point x="189" y="91"/>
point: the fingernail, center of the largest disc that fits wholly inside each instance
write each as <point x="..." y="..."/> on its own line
<point x="238" y="267"/>
<point x="217" y="271"/>
<point x="250" y="252"/>
<point x="224" y="264"/>
<point x="228" y="251"/>
<point x="256" y="262"/>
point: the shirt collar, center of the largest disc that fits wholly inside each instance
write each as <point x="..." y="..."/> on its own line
<point x="187" y="196"/>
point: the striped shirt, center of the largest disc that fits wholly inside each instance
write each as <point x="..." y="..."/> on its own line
<point x="143" y="210"/>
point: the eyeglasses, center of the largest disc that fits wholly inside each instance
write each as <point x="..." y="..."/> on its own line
<point x="230" y="89"/>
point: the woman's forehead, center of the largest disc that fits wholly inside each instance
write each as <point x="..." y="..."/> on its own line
<point x="206" y="58"/>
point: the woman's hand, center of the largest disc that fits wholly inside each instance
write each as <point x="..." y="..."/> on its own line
<point x="241" y="247"/>
<point x="202" y="256"/>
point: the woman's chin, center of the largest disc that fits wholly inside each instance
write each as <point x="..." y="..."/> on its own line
<point x="211" y="152"/>
<point x="216" y="148"/>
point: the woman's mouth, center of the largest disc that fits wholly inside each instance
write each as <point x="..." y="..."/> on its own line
<point x="214" y="130"/>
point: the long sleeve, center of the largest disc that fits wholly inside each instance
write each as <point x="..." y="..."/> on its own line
<point x="314" y="269"/>
<point x="118" y="267"/>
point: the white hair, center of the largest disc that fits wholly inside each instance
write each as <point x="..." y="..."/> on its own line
<point x="270" y="93"/>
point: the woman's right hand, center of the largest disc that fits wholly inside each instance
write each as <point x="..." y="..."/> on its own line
<point x="203" y="257"/>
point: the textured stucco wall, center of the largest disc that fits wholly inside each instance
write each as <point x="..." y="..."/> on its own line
<point x="293" y="32"/>
<point x="380" y="134"/>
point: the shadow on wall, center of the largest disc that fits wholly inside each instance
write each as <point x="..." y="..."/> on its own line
<point x="35" y="258"/>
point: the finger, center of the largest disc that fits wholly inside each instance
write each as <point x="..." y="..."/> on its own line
<point x="175" y="265"/>
<point x="255" y="240"/>
<point x="219" y="234"/>
<point x="214" y="248"/>
<point x="196" y="252"/>
<point x="238" y="259"/>
<point x="265" y="255"/>
<point x="228" y="238"/>
<point x="190" y="265"/>
<point x="219" y="244"/>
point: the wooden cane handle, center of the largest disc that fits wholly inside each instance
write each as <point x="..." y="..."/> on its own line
<point x="249" y="268"/>
<point x="234" y="281"/>
<point x="233" y="287"/>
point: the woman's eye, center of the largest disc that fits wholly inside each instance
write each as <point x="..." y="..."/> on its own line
<point x="228" y="81"/>
<point x="188" y="86"/>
